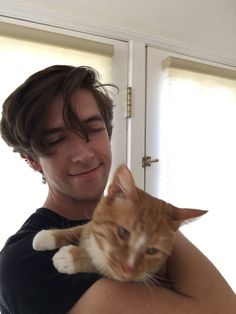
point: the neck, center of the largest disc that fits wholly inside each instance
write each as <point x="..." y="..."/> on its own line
<point x="71" y="209"/>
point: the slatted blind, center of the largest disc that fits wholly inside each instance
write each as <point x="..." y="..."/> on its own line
<point x="24" y="51"/>
<point x="198" y="153"/>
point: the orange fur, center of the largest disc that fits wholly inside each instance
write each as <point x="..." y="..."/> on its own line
<point x="131" y="233"/>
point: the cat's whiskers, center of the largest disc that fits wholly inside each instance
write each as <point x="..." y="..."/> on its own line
<point x="153" y="279"/>
<point x="162" y="281"/>
<point x="149" y="280"/>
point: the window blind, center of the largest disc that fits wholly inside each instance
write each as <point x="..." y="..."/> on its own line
<point x="24" y="51"/>
<point x="198" y="134"/>
<point x="55" y="39"/>
<point x="198" y="152"/>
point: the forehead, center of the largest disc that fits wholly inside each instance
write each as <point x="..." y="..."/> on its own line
<point x="85" y="105"/>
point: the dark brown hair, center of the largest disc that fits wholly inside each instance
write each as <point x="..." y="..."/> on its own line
<point x="25" y="109"/>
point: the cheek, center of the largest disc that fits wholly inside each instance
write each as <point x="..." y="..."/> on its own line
<point x="115" y="250"/>
<point x="101" y="143"/>
<point x="154" y="264"/>
<point x="108" y="156"/>
<point x="104" y="147"/>
<point x="51" y="167"/>
<point x="102" y="150"/>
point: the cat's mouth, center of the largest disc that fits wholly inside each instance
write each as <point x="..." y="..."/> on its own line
<point x="127" y="268"/>
<point x="125" y="273"/>
<point x="125" y="277"/>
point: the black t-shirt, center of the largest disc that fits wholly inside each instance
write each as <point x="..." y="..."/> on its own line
<point x="29" y="283"/>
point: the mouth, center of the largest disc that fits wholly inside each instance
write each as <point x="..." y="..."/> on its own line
<point x="85" y="172"/>
<point x="123" y="277"/>
<point x="120" y="275"/>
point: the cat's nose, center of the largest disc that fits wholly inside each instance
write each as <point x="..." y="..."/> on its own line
<point x="127" y="267"/>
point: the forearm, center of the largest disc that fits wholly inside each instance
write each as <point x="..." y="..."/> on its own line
<point x="198" y="289"/>
<point x="193" y="275"/>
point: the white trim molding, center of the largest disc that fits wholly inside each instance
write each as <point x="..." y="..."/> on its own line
<point x="13" y="12"/>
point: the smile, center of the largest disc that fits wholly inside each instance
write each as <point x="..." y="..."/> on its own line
<point x="85" y="172"/>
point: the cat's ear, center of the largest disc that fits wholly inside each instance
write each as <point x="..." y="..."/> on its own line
<point x="183" y="215"/>
<point x="122" y="183"/>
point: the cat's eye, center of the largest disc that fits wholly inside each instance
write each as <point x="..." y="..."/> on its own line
<point x="152" y="251"/>
<point x="123" y="233"/>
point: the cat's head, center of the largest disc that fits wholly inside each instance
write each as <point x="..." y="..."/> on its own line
<point x="133" y="232"/>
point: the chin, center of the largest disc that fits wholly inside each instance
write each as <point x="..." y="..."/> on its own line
<point x="88" y="193"/>
<point x="123" y="277"/>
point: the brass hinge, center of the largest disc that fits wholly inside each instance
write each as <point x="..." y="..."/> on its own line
<point x="129" y="102"/>
<point x="147" y="161"/>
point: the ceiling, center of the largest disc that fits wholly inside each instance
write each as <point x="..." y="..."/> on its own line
<point x="204" y="24"/>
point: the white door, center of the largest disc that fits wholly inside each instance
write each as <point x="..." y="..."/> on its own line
<point x="19" y="59"/>
<point x="202" y="172"/>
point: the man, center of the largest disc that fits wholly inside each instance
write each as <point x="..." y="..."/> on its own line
<point x="60" y="121"/>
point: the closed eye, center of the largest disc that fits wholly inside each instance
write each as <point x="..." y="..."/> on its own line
<point x="123" y="233"/>
<point x="152" y="251"/>
<point x="55" y="141"/>
<point x="94" y="125"/>
<point x="92" y="130"/>
<point x="54" y="136"/>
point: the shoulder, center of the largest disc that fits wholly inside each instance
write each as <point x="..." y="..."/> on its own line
<point x="31" y="276"/>
<point x="18" y="259"/>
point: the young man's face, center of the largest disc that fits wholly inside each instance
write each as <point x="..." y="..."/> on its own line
<point x="77" y="169"/>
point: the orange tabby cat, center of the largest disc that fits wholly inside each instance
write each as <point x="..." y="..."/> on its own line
<point x="129" y="238"/>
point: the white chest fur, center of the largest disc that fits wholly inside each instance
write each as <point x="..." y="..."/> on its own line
<point x="96" y="254"/>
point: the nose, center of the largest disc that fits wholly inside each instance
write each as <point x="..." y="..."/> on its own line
<point x="81" y="150"/>
<point x="127" y="267"/>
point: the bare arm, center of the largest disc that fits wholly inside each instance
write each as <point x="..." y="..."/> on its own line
<point x="198" y="289"/>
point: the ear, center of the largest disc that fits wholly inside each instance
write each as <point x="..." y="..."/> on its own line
<point x="33" y="163"/>
<point x="184" y="214"/>
<point x="122" y="183"/>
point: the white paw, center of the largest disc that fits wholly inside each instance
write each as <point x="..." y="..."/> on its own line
<point x="44" y="240"/>
<point x="63" y="260"/>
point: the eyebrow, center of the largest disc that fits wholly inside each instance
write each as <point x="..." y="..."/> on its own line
<point x="47" y="132"/>
<point x="91" y="119"/>
<point x="96" y="117"/>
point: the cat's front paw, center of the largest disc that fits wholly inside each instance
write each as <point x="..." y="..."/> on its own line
<point x="44" y="240"/>
<point x="63" y="260"/>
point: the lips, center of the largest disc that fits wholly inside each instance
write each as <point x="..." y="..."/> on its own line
<point x="84" y="172"/>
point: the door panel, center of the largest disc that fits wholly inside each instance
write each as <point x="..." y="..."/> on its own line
<point x="26" y="57"/>
<point x="205" y="175"/>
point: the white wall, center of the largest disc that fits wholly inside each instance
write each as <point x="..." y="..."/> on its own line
<point x="204" y="28"/>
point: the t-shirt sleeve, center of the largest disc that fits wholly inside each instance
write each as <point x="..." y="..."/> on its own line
<point x="29" y="283"/>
